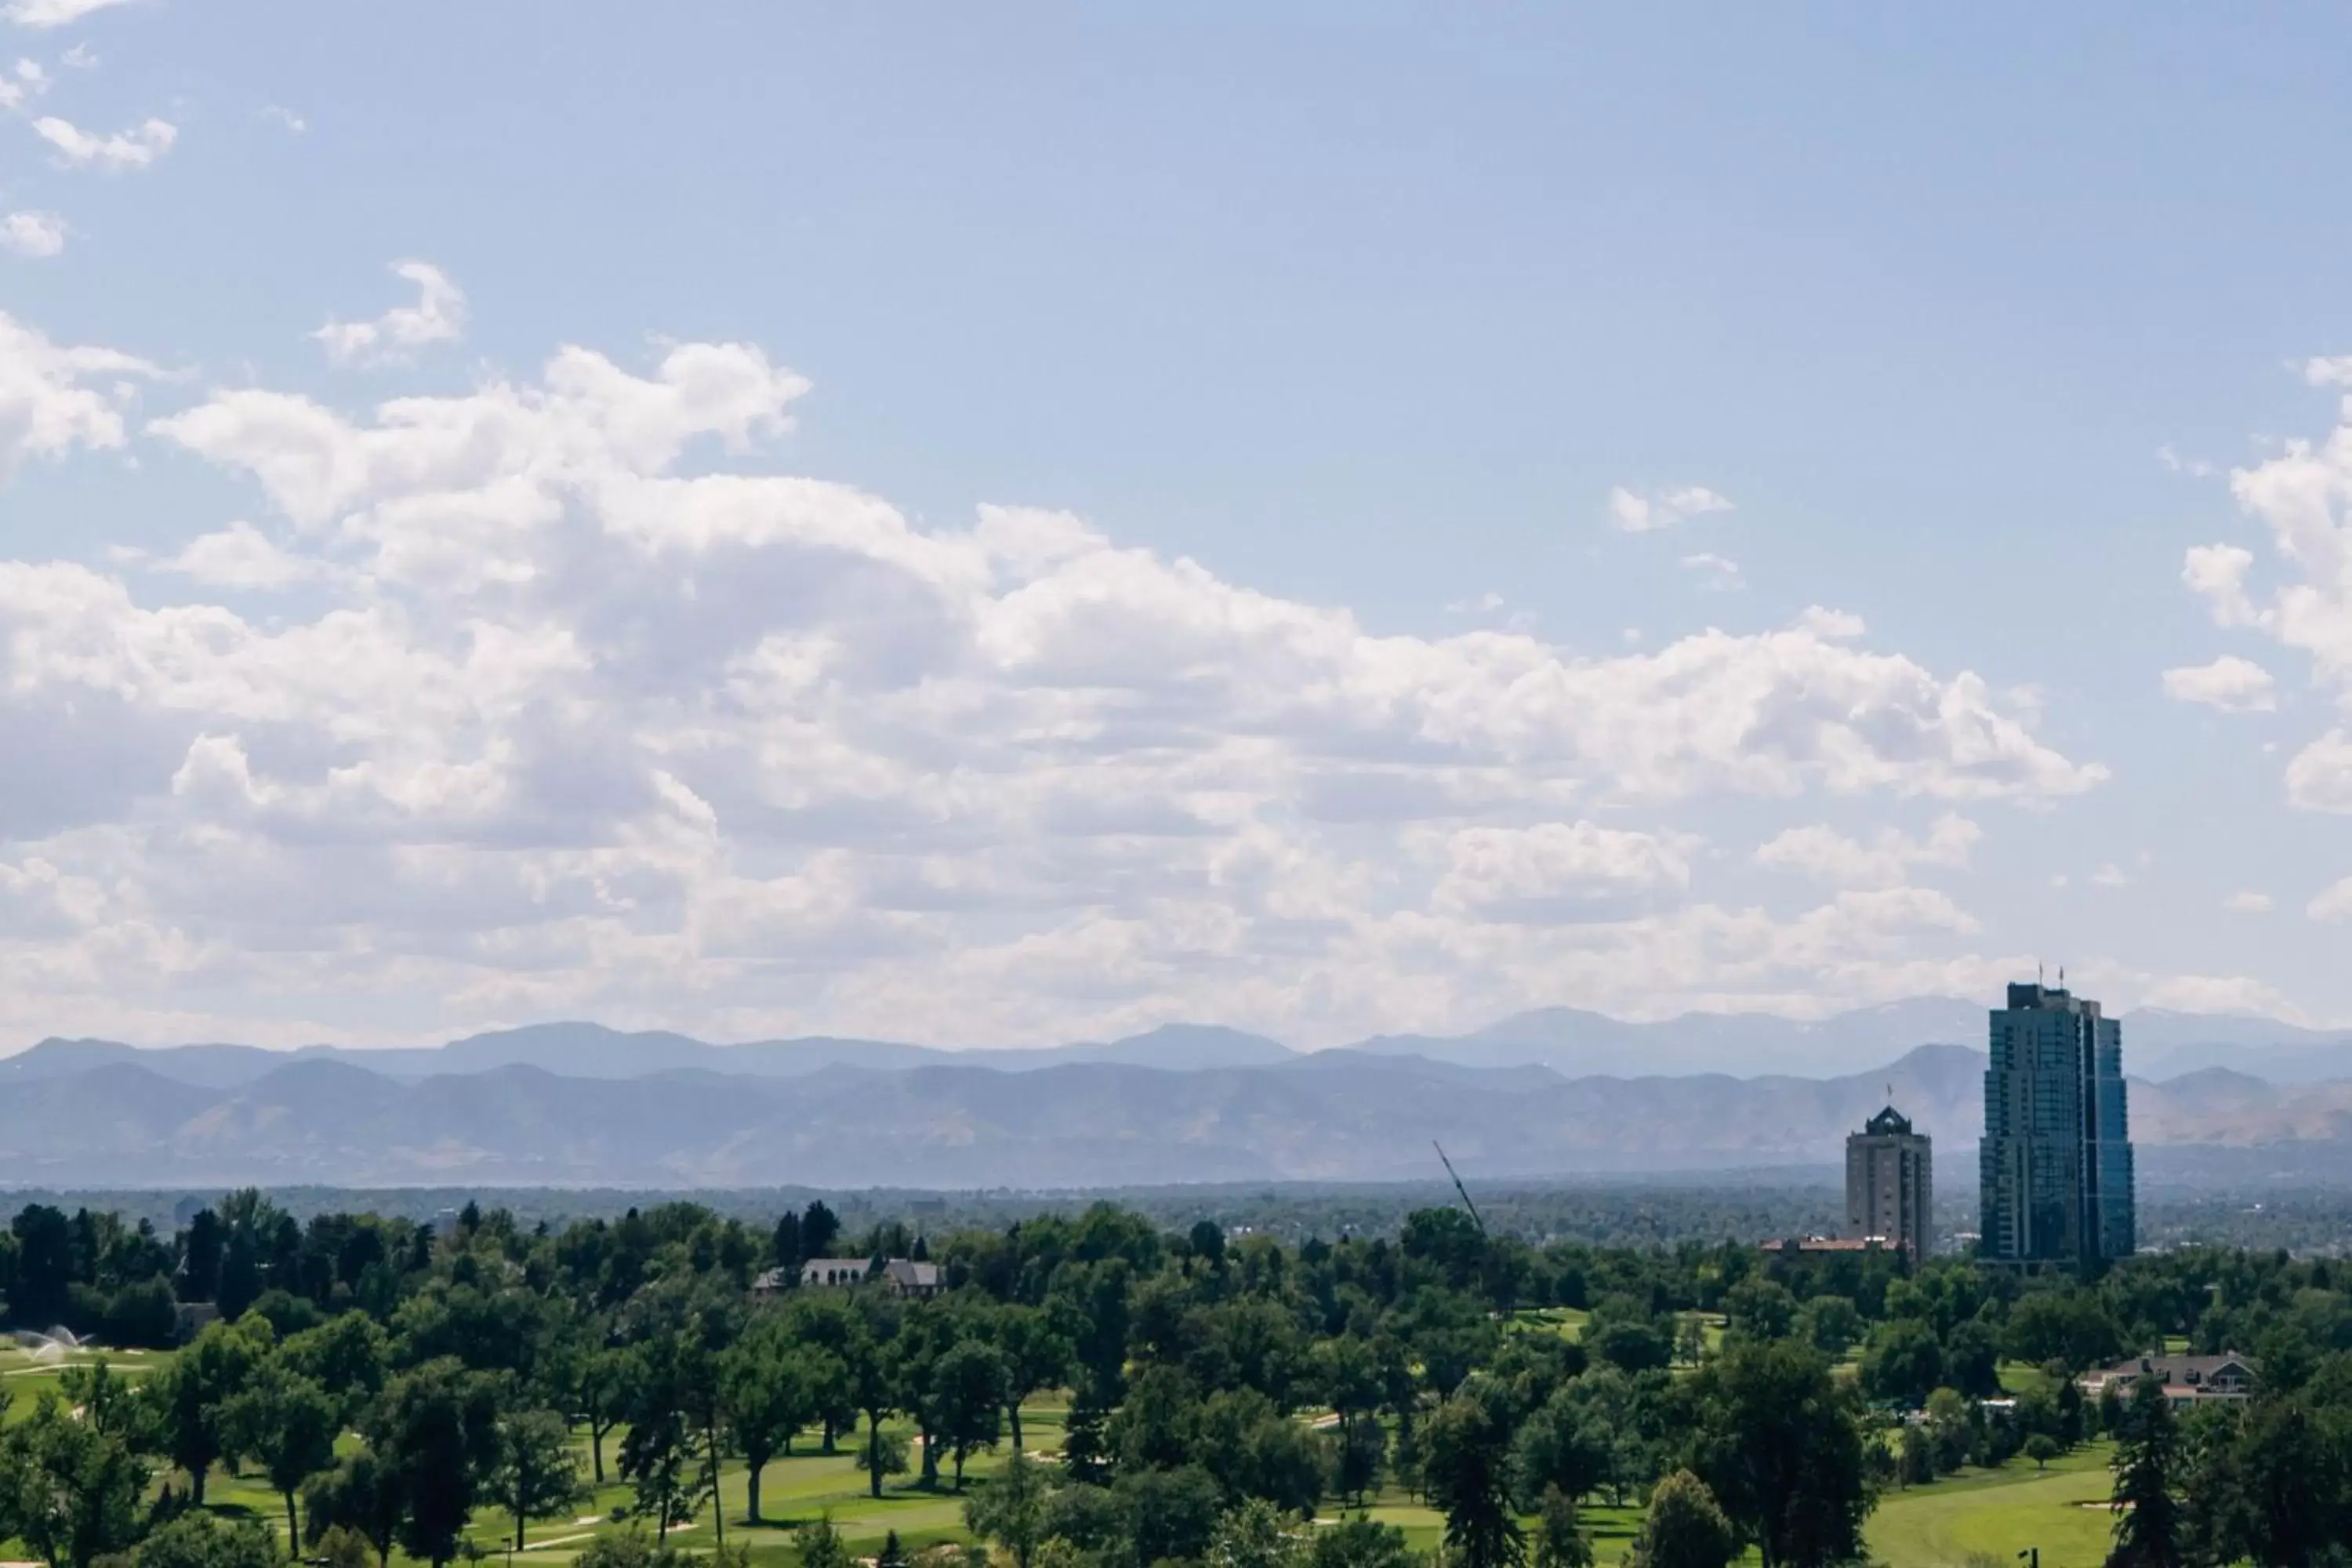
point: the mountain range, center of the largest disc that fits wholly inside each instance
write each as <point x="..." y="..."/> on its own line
<point x="1550" y="1093"/>
<point x="2158" y="1045"/>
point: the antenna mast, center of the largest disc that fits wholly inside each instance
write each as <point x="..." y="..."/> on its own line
<point x="1458" y="1186"/>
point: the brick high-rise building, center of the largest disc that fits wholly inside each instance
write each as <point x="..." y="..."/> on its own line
<point x="1890" y="1184"/>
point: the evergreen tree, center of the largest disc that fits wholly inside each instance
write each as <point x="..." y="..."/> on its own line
<point x="2148" y="1529"/>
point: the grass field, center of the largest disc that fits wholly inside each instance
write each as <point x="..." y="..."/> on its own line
<point x="2000" y="1513"/>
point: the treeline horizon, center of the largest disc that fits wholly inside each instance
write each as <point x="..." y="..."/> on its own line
<point x="394" y="1380"/>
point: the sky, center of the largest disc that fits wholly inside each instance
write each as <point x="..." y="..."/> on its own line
<point x="991" y="526"/>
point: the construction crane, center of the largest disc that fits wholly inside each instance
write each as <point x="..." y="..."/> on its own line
<point x="1459" y="1187"/>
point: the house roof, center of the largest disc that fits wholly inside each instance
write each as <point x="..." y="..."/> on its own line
<point x="2181" y="1368"/>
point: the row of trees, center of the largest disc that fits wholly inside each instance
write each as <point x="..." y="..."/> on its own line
<point x="1209" y="1382"/>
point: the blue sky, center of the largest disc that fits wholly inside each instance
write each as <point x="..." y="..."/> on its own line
<point x="1311" y="683"/>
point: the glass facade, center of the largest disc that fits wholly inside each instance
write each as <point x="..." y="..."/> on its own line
<point x="2054" y="1170"/>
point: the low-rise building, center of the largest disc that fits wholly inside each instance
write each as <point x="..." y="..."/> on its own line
<point x="899" y="1276"/>
<point x="2187" y="1379"/>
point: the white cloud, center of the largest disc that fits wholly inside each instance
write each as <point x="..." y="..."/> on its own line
<point x="2333" y="902"/>
<point x="45" y="13"/>
<point x="2111" y="876"/>
<point x="437" y="317"/>
<point x="2237" y="995"/>
<point x="576" y="713"/>
<point x="2231" y="684"/>
<point x="2248" y="903"/>
<point x="1644" y="512"/>
<point x="136" y="148"/>
<point x="1721" y="572"/>
<point x="32" y="233"/>
<point x="240" y="556"/>
<point x="81" y="58"/>
<point x="47" y="405"/>
<point x="1828" y="856"/>
<point x="2173" y="463"/>
<point x="2320" y="776"/>
<point x="286" y="119"/>
<point x="1557" y="870"/>
<point x="21" y="86"/>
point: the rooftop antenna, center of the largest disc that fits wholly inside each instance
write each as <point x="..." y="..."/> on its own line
<point x="1458" y="1186"/>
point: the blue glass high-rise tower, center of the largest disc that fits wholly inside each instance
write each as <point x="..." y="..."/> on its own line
<point x="2054" y="1170"/>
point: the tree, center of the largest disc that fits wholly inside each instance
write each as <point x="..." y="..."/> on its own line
<point x="200" y="1539"/>
<point x="967" y="1400"/>
<point x="893" y="1552"/>
<point x="766" y="1390"/>
<point x="1361" y="1542"/>
<point x="821" y="1544"/>
<point x="1561" y="1445"/>
<point x="436" y="1429"/>
<point x="1253" y="1536"/>
<point x="1905" y="1362"/>
<point x="69" y="1489"/>
<point x="202" y="1378"/>
<point x="346" y="1356"/>
<point x="602" y="1391"/>
<point x="1683" y="1528"/>
<point x="287" y="1424"/>
<point x="2148" y="1515"/>
<point x="2042" y="1449"/>
<point x="1560" y="1541"/>
<point x="362" y="1495"/>
<point x="1779" y="1447"/>
<point x="1011" y="1508"/>
<point x="1830" y="1325"/>
<point x="1360" y="1454"/>
<point x="819" y="1226"/>
<point x="537" y="1476"/>
<point x="1036" y="1356"/>
<point x="1466" y="1470"/>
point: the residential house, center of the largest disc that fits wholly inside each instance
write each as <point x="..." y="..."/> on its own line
<point x="2187" y="1380"/>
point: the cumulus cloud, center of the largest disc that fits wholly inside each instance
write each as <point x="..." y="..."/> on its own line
<point x="48" y="403"/>
<point x="2320" y="776"/>
<point x="285" y="120"/>
<point x="2248" y="903"/>
<point x="575" y="713"/>
<point x="32" y="233"/>
<point x="1885" y="860"/>
<point x="46" y="14"/>
<point x="437" y="317"/>
<point x="2237" y="995"/>
<point x="2231" y="684"/>
<point x="240" y="556"/>
<point x="1557" y="870"/>
<point x="1644" y="512"/>
<point x="136" y="148"/>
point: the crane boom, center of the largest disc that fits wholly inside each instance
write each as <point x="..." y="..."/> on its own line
<point x="1458" y="1187"/>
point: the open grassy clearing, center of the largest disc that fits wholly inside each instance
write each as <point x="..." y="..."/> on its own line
<point x="2001" y="1512"/>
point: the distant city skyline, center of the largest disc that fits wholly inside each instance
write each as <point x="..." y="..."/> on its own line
<point x="767" y="522"/>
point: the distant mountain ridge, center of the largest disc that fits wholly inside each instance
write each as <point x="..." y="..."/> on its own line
<point x="843" y="1113"/>
<point x="2158" y="1045"/>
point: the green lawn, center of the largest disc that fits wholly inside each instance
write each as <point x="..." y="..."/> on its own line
<point x="22" y="1377"/>
<point x="2000" y="1513"/>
